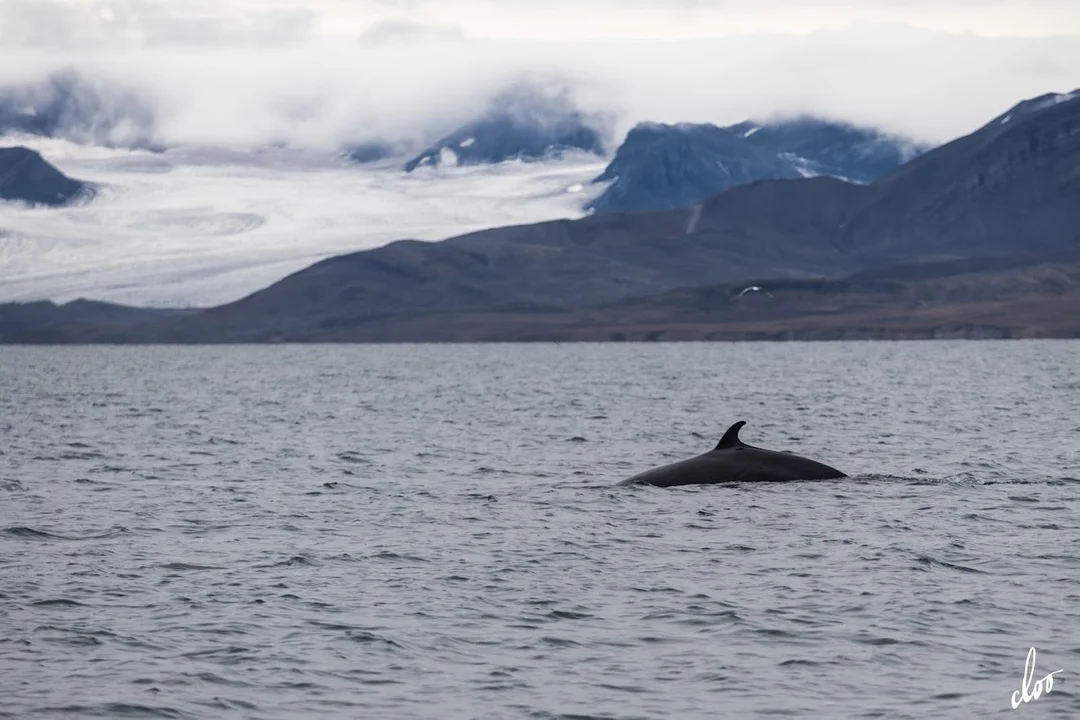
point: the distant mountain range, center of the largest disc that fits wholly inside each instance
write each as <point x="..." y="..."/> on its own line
<point x="979" y="237"/>
<point x="26" y="176"/>
<point x="662" y="166"/>
<point x="656" y="167"/>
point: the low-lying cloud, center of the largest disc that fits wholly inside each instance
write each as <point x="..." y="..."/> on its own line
<point x="410" y="83"/>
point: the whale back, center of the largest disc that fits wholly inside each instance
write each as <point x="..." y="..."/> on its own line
<point x="732" y="460"/>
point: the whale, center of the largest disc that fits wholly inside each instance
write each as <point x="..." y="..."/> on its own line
<point x="732" y="460"/>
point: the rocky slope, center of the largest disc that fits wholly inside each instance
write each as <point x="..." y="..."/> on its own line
<point x="27" y="177"/>
<point x="670" y="166"/>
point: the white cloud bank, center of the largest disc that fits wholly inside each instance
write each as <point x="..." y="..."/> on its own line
<point x="252" y="72"/>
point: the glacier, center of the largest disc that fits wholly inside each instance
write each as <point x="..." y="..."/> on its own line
<point x="195" y="227"/>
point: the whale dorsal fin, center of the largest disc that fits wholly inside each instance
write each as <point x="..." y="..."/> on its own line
<point x="731" y="437"/>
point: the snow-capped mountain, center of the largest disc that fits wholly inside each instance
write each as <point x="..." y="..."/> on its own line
<point x="823" y="147"/>
<point x="669" y="166"/>
<point x="521" y="124"/>
<point x="1033" y="105"/>
<point x="26" y="177"/>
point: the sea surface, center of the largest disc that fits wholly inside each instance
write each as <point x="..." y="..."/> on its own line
<point x="292" y="532"/>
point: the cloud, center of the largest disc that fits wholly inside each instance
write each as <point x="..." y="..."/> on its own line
<point x="388" y="32"/>
<point x="70" y="23"/>
<point x="244" y="75"/>
<point x="81" y="24"/>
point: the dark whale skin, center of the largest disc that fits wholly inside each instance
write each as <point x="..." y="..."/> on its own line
<point x="734" y="461"/>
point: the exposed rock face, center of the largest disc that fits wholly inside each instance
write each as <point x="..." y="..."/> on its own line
<point x="822" y="147"/>
<point x="27" y="177"/>
<point x="670" y="166"/>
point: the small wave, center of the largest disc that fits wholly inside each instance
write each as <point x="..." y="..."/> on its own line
<point x="116" y="710"/>
<point x="353" y="457"/>
<point x="559" y="642"/>
<point x="481" y="496"/>
<point x="927" y="561"/>
<point x="70" y="455"/>
<point x="213" y="679"/>
<point x="30" y="533"/>
<point x="386" y="555"/>
<point x="624" y="688"/>
<point x="364" y="636"/>
<point x="568" y="615"/>
<point x="59" y="602"/>
<point x="294" y="561"/>
<point x="76" y="641"/>
<point x="190" y="566"/>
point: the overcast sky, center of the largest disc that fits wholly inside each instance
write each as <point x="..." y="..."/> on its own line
<point x="326" y="71"/>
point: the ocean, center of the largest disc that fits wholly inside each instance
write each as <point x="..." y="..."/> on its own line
<point x="434" y="531"/>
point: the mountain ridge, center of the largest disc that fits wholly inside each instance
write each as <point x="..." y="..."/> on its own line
<point x="960" y="227"/>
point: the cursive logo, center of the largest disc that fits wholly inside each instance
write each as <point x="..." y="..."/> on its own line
<point x="1028" y="691"/>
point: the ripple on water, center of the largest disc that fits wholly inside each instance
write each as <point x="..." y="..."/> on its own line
<point x="434" y="532"/>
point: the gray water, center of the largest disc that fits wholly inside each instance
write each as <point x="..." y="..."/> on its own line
<point x="433" y="532"/>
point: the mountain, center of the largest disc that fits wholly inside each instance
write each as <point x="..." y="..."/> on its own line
<point x="67" y="105"/>
<point x="1033" y="105"/>
<point x="1003" y="191"/>
<point x="976" y="238"/>
<point x="76" y="321"/>
<point x="28" y="177"/>
<point x="821" y="147"/>
<point x="1007" y="187"/>
<point x="369" y="152"/>
<point x="523" y="123"/>
<point x="668" y="166"/>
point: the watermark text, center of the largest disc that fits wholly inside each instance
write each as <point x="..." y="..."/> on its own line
<point x="1032" y="691"/>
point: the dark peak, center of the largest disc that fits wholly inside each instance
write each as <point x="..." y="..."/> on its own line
<point x="370" y="151"/>
<point x="526" y="121"/>
<point x="821" y="146"/>
<point x="662" y="166"/>
<point x="804" y="129"/>
<point x="1034" y="105"/>
<point x="68" y="105"/>
<point x="26" y="176"/>
<point x="653" y="142"/>
<point x="19" y="154"/>
<point x="656" y="130"/>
